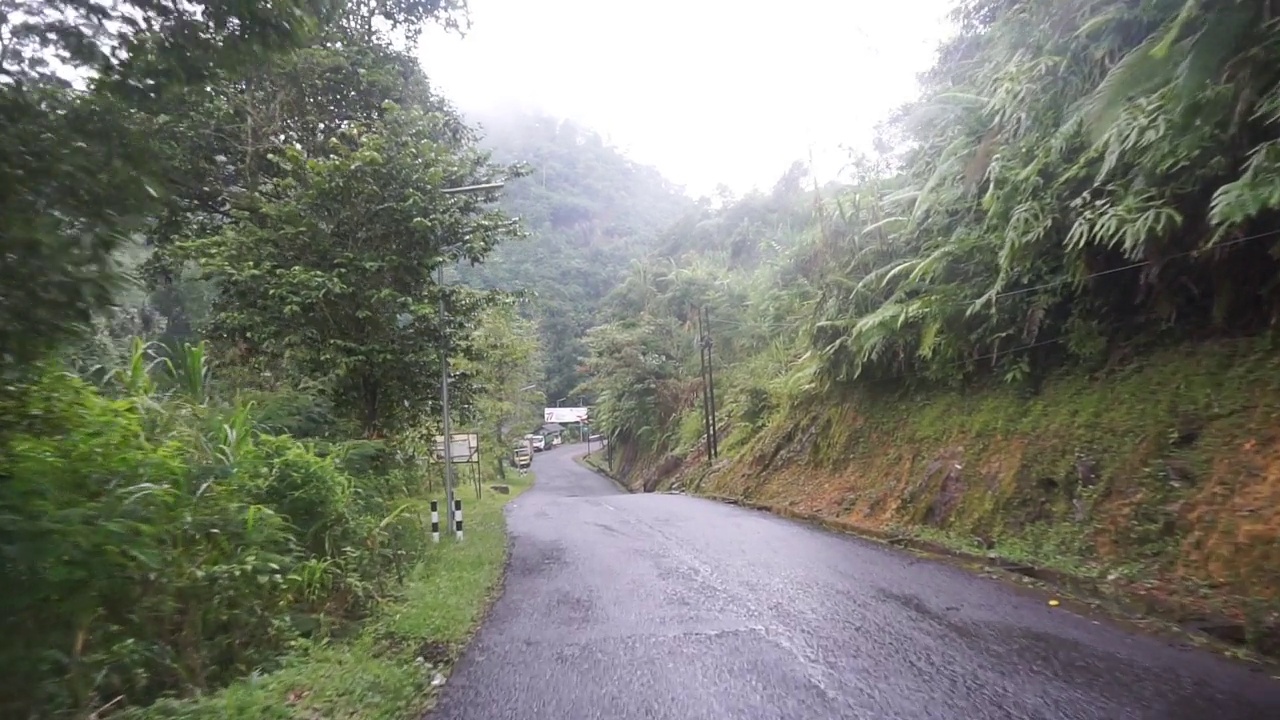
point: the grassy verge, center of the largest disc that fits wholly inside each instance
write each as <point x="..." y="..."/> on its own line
<point x="595" y="461"/>
<point x="385" y="671"/>
<point x="598" y="462"/>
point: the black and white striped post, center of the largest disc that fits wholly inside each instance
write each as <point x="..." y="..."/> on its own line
<point x="457" y="519"/>
<point x="435" y="521"/>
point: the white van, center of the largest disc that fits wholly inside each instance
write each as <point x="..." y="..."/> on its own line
<point x="538" y="442"/>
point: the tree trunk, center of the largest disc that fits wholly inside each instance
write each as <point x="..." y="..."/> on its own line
<point x="369" y="390"/>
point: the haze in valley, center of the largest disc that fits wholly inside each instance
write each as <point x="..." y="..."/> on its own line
<point x="709" y="91"/>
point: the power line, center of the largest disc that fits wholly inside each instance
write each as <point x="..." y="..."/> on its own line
<point x="1010" y="351"/>
<point x="1131" y="266"/>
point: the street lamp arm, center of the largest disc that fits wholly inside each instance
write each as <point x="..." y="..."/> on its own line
<point x="474" y="188"/>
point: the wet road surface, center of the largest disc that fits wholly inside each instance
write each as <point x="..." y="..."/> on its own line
<point x="657" y="606"/>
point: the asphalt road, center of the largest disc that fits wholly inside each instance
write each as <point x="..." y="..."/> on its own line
<point x="657" y="606"/>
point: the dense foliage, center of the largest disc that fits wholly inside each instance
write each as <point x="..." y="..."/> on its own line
<point x="86" y="89"/>
<point x="1078" y="181"/>
<point x="1075" y="175"/>
<point x="264" y="184"/>
<point x="331" y="274"/>
<point x="505" y="366"/>
<point x="746" y="263"/>
<point x="156" y="540"/>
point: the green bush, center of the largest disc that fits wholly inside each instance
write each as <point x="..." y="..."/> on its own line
<point x="296" y="413"/>
<point x="309" y="491"/>
<point x="156" y="545"/>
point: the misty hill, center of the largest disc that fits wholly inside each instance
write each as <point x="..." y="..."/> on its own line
<point x="589" y="211"/>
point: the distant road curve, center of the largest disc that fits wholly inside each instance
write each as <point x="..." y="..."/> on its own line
<point x="657" y="606"/>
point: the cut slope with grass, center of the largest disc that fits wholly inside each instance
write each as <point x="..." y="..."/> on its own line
<point x="390" y="667"/>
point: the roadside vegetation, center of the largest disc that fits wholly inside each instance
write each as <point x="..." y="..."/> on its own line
<point x="224" y="227"/>
<point x="220" y="320"/>
<point x="392" y="666"/>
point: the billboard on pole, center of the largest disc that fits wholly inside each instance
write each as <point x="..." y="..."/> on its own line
<point x="565" y="415"/>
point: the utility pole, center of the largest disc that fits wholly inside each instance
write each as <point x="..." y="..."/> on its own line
<point x="702" y="373"/>
<point x="711" y="386"/>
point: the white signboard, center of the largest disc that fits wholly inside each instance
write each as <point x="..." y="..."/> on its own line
<point x="462" y="448"/>
<point x="564" y="415"/>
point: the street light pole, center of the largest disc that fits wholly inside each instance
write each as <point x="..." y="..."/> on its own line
<point x="444" y="363"/>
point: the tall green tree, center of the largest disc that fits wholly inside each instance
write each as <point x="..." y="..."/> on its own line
<point x="1077" y="181"/>
<point x="88" y="93"/>
<point x="77" y="174"/>
<point x="505" y="370"/>
<point x="744" y="263"/>
<point x="637" y="376"/>
<point x="329" y="273"/>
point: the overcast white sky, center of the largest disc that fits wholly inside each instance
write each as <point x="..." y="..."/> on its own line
<point x="708" y="91"/>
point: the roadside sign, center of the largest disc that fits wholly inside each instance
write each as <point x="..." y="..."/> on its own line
<point x="463" y="448"/>
<point x="565" y="415"/>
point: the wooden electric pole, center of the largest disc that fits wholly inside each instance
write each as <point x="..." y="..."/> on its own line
<point x="711" y="384"/>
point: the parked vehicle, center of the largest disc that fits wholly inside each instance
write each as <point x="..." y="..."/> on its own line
<point x="556" y="441"/>
<point x="537" y="442"/>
